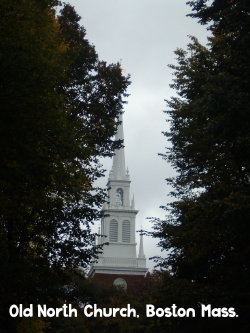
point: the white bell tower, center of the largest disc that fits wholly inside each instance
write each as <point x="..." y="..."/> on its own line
<point x="119" y="264"/>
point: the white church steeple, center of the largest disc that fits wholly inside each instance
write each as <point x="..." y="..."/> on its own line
<point x="118" y="170"/>
<point x="118" y="225"/>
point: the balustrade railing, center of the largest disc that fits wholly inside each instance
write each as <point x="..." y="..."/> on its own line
<point x="115" y="261"/>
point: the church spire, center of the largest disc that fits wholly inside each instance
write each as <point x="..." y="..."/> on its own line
<point x="119" y="260"/>
<point x="141" y="254"/>
<point x="118" y="169"/>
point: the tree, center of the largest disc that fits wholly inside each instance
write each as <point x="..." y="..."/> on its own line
<point x="59" y="111"/>
<point x="207" y="229"/>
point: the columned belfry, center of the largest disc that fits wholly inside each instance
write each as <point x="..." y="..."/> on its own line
<point x="119" y="264"/>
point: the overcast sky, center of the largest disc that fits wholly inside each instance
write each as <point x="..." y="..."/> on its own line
<point x="142" y="35"/>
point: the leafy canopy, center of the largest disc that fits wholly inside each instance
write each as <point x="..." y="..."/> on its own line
<point x="207" y="229"/>
<point x="60" y="107"/>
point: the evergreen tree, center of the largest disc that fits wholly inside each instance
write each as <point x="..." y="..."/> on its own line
<point x="207" y="231"/>
<point x="59" y="111"/>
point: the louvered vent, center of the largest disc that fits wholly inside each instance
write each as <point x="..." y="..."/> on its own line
<point x="113" y="231"/>
<point x="126" y="231"/>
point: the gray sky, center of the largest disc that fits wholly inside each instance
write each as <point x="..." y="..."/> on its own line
<point x="142" y="35"/>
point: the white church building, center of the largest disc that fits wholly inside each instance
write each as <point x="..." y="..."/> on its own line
<point x="119" y="263"/>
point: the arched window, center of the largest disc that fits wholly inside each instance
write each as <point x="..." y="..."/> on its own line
<point x="126" y="231"/>
<point x="119" y="197"/>
<point x="113" y="231"/>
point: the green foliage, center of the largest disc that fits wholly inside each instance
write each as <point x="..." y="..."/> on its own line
<point x="59" y="111"/>
<point x="206" y="230"/>
<point x="31" y="325"/>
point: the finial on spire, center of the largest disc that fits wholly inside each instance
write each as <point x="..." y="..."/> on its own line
<point x="118" y="168"/>
<point x="141" y="251"/>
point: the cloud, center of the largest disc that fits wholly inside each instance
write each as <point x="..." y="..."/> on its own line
<point x="144" y="35"/>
